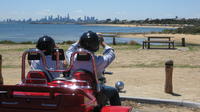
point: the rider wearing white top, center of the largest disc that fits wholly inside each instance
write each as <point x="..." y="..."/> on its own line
<point x="90" y="41"/>
<point x="46" y="44"/>
<point x="51" y="64"/>
<point x="101" y="61"/>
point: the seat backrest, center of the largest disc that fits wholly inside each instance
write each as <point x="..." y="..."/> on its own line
<point x="60" y="52"/>
<point x="84" y="75"/>
<point x="83" y="70"/>
<point x="83" y="57"/>
<point x="33" y="56"/>
<point x="37" y="77"/>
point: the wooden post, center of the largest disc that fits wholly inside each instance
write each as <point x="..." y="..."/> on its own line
<point x="183" y="42"/>
<point x="169" y="43"/>
<point x="168" y="77"/>
<point x="148" y="42"/>
<point x="1" y="77"/>
<point x="114" y="42"/>
<point x="143" y="45"/>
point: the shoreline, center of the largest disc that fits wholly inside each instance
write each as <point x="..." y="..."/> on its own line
<point x="134" y="25"/>
<point x="190" y="38"/>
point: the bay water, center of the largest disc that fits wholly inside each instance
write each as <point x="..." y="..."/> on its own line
<point x="64" y="32"/>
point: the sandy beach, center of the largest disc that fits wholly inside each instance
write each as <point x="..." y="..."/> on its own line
<point x="189" y="38"/>
<point x="134" y="25"/>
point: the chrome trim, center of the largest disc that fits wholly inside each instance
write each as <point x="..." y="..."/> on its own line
<point x="33" y="50"/>
<point x="74" y="80"/>
<point x="9" y="103"/>
<point x="76" y="87"/>
<point x="49" y="105"/>
<point x="93" y="64"/>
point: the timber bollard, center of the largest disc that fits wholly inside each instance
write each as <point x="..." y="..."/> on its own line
<point x="168" y="77"/>
<point x="114" y="42"/>
<point x="183" y="42"/>
<point x="1" y="77"/>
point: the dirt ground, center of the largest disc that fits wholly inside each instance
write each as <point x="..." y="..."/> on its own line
<point x="141" y="107"/>
<point x="142" y="70"/>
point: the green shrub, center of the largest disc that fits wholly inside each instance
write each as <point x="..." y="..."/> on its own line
<point x="184" y="30"/>
<point x="132" y="42"/>
<point x="67" y="42"/>
<point x="7" y="42"/>
<point x="26" y="42"/>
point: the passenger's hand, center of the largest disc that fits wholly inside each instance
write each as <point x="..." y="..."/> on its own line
<point x="101" y="39"/>
<point x="65" y="64"/>
<point x="100" y="36"/>
<point x="78" y="41"/>
<point x="56" y="46"/>
<point x="103" y="44"/>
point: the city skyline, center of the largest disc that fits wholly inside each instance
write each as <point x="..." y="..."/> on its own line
<point x="127" y="9"/>
<point x="93" y="20"/>
<point x="53" y="19"/>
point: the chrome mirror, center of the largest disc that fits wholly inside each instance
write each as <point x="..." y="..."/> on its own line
<point x="119" y="85"/>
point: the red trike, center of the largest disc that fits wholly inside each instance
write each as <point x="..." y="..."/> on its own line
<point x="37" y="93"/>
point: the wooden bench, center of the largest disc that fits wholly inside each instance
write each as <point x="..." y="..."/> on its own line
<point x="145" y="43"/>
<point x="158" y="40"/>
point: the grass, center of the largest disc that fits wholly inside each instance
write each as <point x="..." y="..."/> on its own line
<point x="12" y="42"/>
<point x="15" y="49"/>
<point x="118" y="48"/>
<point x="126" y="47"/>
<point x="152" y="65"/>
<point x="194" y="48"/>
<point x="64" y="46"/>
<point x="11" y="66"/>
<point x="142" y="65"/>
<point x="191" y="47"/>
<point x="157" y="65"/>
<point x="187" y="66"/>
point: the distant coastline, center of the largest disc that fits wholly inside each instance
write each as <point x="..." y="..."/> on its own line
<point x="190" y="38"/>
<point x="117" y="25"/>
<point x="174" y="26"/>
<point x="137" y="25"/>
<point x="51" y="23"/>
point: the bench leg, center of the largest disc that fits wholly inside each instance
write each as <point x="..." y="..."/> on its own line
<point x="143" y="45"/>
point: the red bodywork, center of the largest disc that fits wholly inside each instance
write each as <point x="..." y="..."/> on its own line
<point x="36" y="94"/>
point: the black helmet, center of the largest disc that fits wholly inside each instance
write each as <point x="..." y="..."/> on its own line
<point x="46" y="44"/>
<point x="90" y="41"/>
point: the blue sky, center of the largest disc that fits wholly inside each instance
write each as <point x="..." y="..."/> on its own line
<point x="101" y="9"/>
